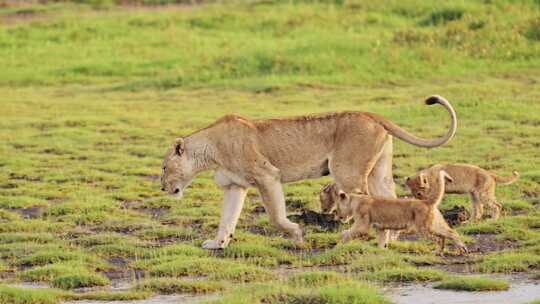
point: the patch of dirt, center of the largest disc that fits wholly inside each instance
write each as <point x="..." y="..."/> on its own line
<point x="55" y="200"/>
<point x="456" y="215"/>
<point x="54" y="151"/>
<point x="154" y="212"/>
<point x="153" y="177"/>
<point x="31" y="212"/>
<point x="486" y="243"/>
<point x="22" y="146"/>
<point x="259" y="209"/>
<point x="295" y="204"/>
<point x="529" y="194"/>
<point x="24" y="177"/>
<point x="308" y="217"/>
<point x="8" y="186"/>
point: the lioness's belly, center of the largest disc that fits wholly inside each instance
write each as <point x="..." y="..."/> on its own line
<point x="314" y="169"/>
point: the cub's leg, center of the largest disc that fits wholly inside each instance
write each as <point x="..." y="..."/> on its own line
<point x="494" y="206"/>
<point x="477" y="207"/>
<point x="441" y="229"/>
<point x="233" y="200"/>
<point x="494" y="209"/>
<point x="274" y="203"/>
<point x="381" y="183"/>
<point x="359" y="229"/>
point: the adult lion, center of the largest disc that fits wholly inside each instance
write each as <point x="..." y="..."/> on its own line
<point x="349" y="146"/>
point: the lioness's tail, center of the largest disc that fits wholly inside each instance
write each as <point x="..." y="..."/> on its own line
<point x="505" y="180"/>
<point x="438" y="190"/>
<point x="397" y="131"/>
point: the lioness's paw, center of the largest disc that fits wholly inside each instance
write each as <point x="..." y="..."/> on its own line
<point x="213" y="244"/>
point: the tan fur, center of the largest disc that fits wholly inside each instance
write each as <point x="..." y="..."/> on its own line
<point x="421" y="215"/>
<point x="477" y="182"/>
<point x="355" y="148"/>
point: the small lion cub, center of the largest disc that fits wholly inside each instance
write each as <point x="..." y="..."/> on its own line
<point x="397" y="214"/>
<point x="479" y="183"/>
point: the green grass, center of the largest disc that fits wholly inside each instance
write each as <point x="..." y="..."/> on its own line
<point x="351" y="292"/>
<point x="472" y="284"/>
<point x="171" y="286"/>
<point x="80" y="280"/>
<point x="92" y="95"/>
<point x="406" y="274"/>
<point x="13" y="295"/>
<point x="510" y="262"/>
<point x="317" y="278"/>
<point x="191" y="266"/>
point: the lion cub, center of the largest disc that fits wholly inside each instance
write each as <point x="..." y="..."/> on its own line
<point x="479" y="183"/>
<point x="420" y="215"/>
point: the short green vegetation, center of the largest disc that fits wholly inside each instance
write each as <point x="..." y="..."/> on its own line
<point x="173" y="285"/>
<point x="473" y="284"/>
<point x="12" y="295"/>
<point x="510" y="262"/>
<point x="406" y="274"/>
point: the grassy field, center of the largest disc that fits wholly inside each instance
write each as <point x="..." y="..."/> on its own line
<point x="92" y="94"/>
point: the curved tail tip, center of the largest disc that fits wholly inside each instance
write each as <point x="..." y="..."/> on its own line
<point x="433" y="99"/>
<point x="515" y="173"/>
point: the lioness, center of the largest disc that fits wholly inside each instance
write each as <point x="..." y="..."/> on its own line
<point x="479" y="183"/>
<point x="420" y="215"/>
<point x="355" y="148"/>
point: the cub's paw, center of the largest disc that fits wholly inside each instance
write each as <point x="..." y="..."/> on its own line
<point x="298" y="237"/>
<point x="213" y="244"/>
<point x="345" y="236"/>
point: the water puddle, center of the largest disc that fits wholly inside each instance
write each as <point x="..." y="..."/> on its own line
<point x="521" y="291"/>
<point x="163" y="299"/>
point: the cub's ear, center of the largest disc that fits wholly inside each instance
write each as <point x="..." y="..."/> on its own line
<point x="179" y="146"/>
<point x="343" y="195"/>
<point x="423" y="181"/>
<point x="327" y="188"/>
<point x="447" y="176"/>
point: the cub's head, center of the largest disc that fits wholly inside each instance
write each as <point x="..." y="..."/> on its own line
<point x="419" y="185"/>
<point x="177" y="169"/>
<point x="328" y="198"/>
<point x="344" y="207"/>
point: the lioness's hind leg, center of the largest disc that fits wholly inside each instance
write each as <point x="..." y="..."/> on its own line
<point x="274" y="203"/>
<point x="381" y="183"/>
<point x="353" y="160"/>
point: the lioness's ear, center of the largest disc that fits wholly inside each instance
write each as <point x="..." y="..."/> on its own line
<point x="179" y="146"/>
<point x="343" y="195"/>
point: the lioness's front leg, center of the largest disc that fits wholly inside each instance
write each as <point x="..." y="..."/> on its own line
<point x="274" y="203"/>
<point x="233" y="201"/>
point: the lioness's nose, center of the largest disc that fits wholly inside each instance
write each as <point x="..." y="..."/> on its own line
<point x="162" y="189"/>
<point x="176" y="190"/>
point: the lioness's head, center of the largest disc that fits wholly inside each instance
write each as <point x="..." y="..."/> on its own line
<point x="419" y="185"/>
<point x="178" y="169"/>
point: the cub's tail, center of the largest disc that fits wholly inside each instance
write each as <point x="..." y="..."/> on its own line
<point x="439" y="188"/>
<point x="506" y="180"/>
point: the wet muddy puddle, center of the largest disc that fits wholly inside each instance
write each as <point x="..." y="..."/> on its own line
<point x="521" y="291"/>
